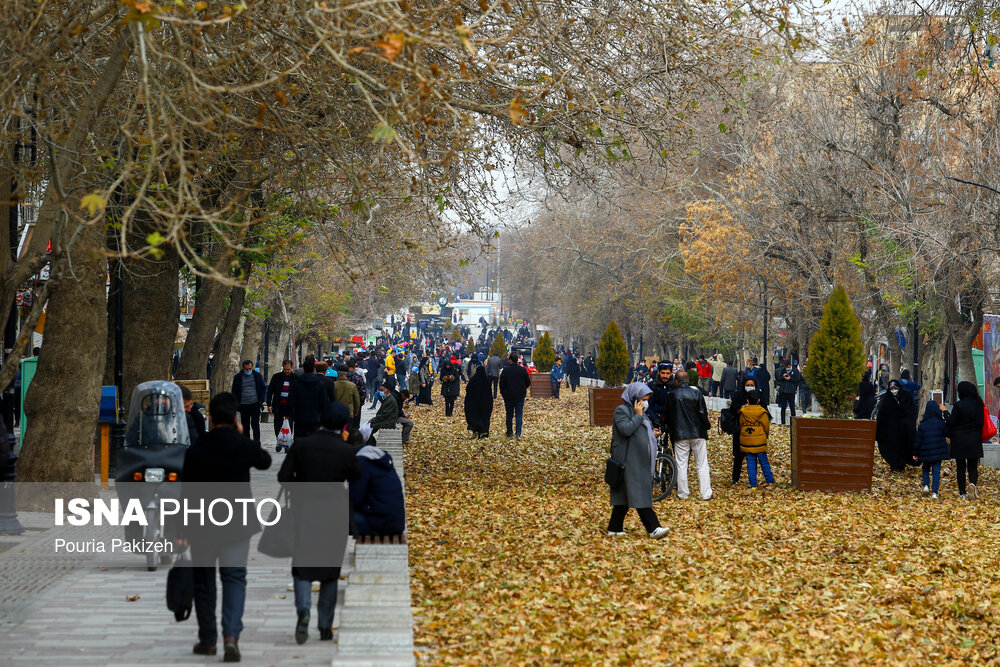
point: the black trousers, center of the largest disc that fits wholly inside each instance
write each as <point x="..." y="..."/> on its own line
<point x="250" y="418"/>
<point x="786" y="399"/>
<point x="449" y="405"/>
<point x="555" y="388"/>
<point x="973" y="467"/>
<point x="496" y="381"/>
<point x="737" y="458"/>
<point x="574" y="382"/>
<point x="646" y="514"/>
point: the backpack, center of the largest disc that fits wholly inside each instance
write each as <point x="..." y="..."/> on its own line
<point x="727" y="421"/>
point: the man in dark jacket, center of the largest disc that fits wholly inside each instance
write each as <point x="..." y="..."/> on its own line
<point x="195" y="420"/>
<point x="250" y="390"/>
<point x="323" y="456"/>
<point x="223" y="455"/>
<point x="388" y="412"/>
<point x="730" y="380"/>
<point x="308" y="398"/>
<point x="279" y="397"/>
<point x="687" y="421"/>
<point x="788" y="386"/>
<point x="514" y="383"/>
<point x="661" y="387"/>
<point x="573" y="371"/>
<point x="377" y="498"/>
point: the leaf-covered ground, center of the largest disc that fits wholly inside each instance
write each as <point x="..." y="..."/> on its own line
<point x="512" y="564"/>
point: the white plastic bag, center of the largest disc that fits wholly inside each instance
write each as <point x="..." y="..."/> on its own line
<point x="285" y="435"/>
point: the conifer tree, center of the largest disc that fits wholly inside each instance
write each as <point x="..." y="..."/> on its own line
<point x="545" y="354"/>
<point x="499" y="347"/>
<point x="836" y="357"/>
<point x="612" y="356"/>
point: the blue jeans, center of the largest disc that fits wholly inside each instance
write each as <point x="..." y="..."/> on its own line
<point x="326" y="604"/>
<point x="765" y="466"/>
<point x="515" y="410"/>
<point x="376" y="400"/>
<point x="234" y="591"/>
<point x="934" y="467"/>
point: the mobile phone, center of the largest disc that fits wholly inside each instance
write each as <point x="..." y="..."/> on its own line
<point x="937" y="395"/>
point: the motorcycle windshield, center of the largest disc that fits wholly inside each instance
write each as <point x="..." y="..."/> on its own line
<point x="156" y="416"/>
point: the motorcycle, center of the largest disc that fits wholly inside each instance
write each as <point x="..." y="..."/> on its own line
<point x="151" y="461"/>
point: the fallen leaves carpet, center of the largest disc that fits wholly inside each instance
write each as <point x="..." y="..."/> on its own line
<point x="511" y="563"/>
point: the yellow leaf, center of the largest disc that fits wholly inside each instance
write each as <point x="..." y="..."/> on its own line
<point x="517" y="112"/>
<point x="391" y="45"/>
<point x="93" y="202"/>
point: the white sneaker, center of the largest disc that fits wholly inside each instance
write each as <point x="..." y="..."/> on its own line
<point x="973" y="492"/>
<point x="963" y="496"/>
<point x="613" y="533"/>
<point x="659" y="533"/>
<point x="934" y="495"/>
<point x="927" y="489"/>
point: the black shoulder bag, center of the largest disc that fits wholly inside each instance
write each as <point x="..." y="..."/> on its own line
<point x="614" y="471"/>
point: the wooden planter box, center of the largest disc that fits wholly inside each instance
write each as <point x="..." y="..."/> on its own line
<point x="832" y="454"/>
<point x="541" y="385"/>
<point x="602" y="405"/>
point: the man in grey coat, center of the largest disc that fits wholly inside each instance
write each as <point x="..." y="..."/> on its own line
<point x="730" y="380"/>
<point x="633" y="444"/>
<point x="493" y="371"/>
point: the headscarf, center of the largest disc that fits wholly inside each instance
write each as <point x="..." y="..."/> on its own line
<point x="454" y="360"/>
<point x="968" y="392"/>
<point x="635" y="392"/>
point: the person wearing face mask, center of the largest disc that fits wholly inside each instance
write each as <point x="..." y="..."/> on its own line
<point x="633" y="443"/>
<point x="965" y="423"/>
<point x="249" y="388"/>
<point x="387" y="413"/>
<point x="735" y="404"/>
<point x="895" y="429"/>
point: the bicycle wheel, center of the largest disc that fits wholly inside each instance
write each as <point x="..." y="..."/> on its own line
<point x="665" y="477"/>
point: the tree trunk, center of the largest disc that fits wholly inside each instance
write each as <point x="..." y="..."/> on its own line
<point x="224" y="368"/>
<point x="934" y="367"/>
<point x="207" y="313"/>
<point x="253" y="339"/>
<point x="62" y="402"/>
<point x="150" y="320"/>
<point x="895" y="353"/>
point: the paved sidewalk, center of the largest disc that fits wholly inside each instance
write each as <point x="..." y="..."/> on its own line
<point x="52" y="612"/>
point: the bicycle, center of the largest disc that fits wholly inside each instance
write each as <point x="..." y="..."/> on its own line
<point x="665" y="470"/>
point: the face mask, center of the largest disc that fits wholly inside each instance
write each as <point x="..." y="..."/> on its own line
<point x="249" y="372"/>
<point x="893" y="391"/>
<point x="645" y="404"/>
<point x="749" y="387"/>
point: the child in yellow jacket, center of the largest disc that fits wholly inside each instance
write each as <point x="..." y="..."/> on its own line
<point x="755" y="423"/>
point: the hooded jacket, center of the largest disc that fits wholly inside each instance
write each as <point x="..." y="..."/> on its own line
<point x="929" y="444"/>
<point x="755" y="424"/>
<point x="966" y="423"/>
<point x="378" y="495"/>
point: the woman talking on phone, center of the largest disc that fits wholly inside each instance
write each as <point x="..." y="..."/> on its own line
<point x="633" y="445"/>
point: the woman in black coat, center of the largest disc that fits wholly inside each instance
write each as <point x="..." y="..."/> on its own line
<point x="479" y="403"/>
<point x="966" y="426"/>
<point x="895" y="427"/>
<point x="738" y="400"/>
<point x="425" y="373"/>
<point x="865" y="404"/>
<point x="451" y="384"/>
